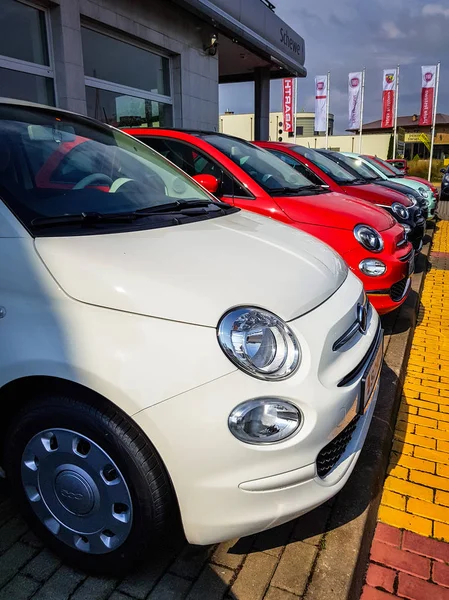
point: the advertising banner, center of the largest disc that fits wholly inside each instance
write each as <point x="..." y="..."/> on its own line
<point x="288" y="104"/>
<point x="427" y="94"/>
<point x="355" y="99"/>
<point x="321" y="95"/>
<point x="388" y="98"/>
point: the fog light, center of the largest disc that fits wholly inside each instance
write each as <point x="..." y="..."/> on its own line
<point x="372" y="267"/>
<point x="264" y="421"/>
<point x="407" y="228"/>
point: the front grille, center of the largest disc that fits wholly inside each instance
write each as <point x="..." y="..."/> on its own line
<point x="331" y="454"/>
<point x="397" y="290"/>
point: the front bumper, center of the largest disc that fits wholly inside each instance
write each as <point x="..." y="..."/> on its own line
<point x="227" y="489"/>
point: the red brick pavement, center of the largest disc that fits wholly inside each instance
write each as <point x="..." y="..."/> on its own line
<point x="406" y="565"/>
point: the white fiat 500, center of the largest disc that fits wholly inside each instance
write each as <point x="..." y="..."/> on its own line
<point x="162" y="353"/>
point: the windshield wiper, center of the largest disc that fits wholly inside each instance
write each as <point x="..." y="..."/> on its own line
<point x="300" y="190"/>
<point x="358" y="181"/>
<point x="182" y="207"/>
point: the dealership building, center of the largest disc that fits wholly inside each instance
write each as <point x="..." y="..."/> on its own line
<point x="145" y="62"/>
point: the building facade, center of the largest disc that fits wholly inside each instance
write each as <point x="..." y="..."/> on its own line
<point x="242" y="125"/>
<point x="140" y="62"/>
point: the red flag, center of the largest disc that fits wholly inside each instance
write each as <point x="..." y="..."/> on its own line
<point x="388" y="98"/>
<point x="427" y="95"/>
<point x="287" y="104"/>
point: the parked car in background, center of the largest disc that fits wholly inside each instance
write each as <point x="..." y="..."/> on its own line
<point x="385" y="171"/>
<point x="445" y="184"/>
<point x="323" y="171"/>
<point x="367" y="172"/>
<point x="371" y="241"/>
<point x="398" y="173"/>
<point x="164" y="353"/>
<point x="400" y="164"/>
<point x="415" y="224"/>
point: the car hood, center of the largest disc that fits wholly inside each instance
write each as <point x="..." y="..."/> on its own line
<point x="335" y="210"/>
<point x="412" y="183"/>
<point x="377" y="194"/>
<point x="195" y="272"/>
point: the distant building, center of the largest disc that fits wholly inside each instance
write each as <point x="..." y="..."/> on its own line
<point x="242" y="125"/>
<point x="416" y="138"/>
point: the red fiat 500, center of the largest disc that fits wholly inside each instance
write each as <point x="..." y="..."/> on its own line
<point x="373" y="244"/>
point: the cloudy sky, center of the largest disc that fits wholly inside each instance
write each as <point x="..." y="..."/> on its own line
<point x="347" y="35"/>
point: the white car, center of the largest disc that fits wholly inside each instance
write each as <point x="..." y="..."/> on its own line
<point x="163" y="353"/>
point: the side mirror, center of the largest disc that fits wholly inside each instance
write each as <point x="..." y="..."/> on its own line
<point x="209" y="182"/>
<point x="443" y="171"/>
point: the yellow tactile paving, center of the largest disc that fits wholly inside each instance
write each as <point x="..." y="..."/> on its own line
<point x="416" y="491"/>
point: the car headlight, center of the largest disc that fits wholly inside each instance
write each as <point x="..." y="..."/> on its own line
<point x="400" y="210"/>
<point x="424" y="193"/>
<point x="264" y="421"/>
<point x="259" y="343"/>
<point x="412" y="199"/>
<point x="372" y="267"/>
<point x="407" y="228"/>
<point x="369" y="238"/>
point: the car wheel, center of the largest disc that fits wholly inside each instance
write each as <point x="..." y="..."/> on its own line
<point x="88" y="482"/>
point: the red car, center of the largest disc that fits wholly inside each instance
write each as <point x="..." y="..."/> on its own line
<point x="400" y="164"/>
<point x="370" y="240"/>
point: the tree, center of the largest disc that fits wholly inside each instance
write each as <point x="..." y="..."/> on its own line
<point x="390" y="149"/>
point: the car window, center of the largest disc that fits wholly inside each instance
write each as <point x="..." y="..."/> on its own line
<point x="332" y="169"/>
<point x="379" y="166"/>
<point x="298" y="166"/>
<point x="58" y="164"/>
<point x="194" y="162"/>
<point x="267" y="170"/>
<point x="356" y="164"/>
<point x="389" y="166"/>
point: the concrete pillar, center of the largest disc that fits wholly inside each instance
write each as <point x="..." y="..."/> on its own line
<point x="261" y="103"/>
<point x="68" y="52"/>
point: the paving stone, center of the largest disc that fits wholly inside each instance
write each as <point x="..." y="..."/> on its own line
<point x="19" y="588"/>
<point x="212" y="584"/>
<point x="254" y="578"/>
<point x="273" y="541"/>
<point x="419" y="566"/>
<point x="95" y="588"/>
<point x="61" y="585"/>
<point x="13" y="560"/>
<point x="139" y="585"/>
<point x="42" y="566"/>
<point x="191" y="560"/>
<point x="277" y="594"/>
<point x="171" y="587"/>
<point x="417" y="589"/>
<point x="294" y="568"/>
<point x="11" y="532"/>
<point x="31" y="539"/>
<point x="225" y="555"/>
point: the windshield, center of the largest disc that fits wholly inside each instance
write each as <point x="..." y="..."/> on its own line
<point x="389" y="166"/>
<point x="53" y="164"/>
<point x="356" y="164"/>
<point x="331" y="168"/>
<point x="380" y="166"/>
<point x="269" y="171"/>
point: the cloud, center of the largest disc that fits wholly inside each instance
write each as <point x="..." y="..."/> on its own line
<point x="392" y="31"/>
<point x="435" y="10"/>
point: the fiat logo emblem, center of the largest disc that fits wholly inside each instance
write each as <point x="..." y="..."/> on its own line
<point x="320" y="86"/>
<point x="428" y="77"/>
<point x="362" y="318"/>
<point x="355" y="82"/>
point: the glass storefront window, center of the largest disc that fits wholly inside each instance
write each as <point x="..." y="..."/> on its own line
<point x="23" y="32"/>
<point x="112" y="60"/>
<point x="127" y="111"/>
<point x="26" y="86"/>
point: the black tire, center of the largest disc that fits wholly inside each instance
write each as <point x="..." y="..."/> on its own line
<point x="153" y="502"/>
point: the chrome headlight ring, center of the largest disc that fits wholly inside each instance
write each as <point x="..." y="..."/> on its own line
<point x="400" y="210"/>
<point x="369" y="238"/>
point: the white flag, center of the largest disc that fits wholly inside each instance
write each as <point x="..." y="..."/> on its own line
<point x="321" y="96"/>
<point x="355" y="99"/>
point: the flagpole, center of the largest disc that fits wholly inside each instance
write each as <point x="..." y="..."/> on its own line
<point x="434" y="120"/>
<point x="296" y="105"/>
<point x="327" y="108"/>
<point x="361" y="110"/>
<point x="396" y="102"/>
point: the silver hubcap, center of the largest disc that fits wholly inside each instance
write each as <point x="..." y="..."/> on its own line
<point x="77" y="491"/>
